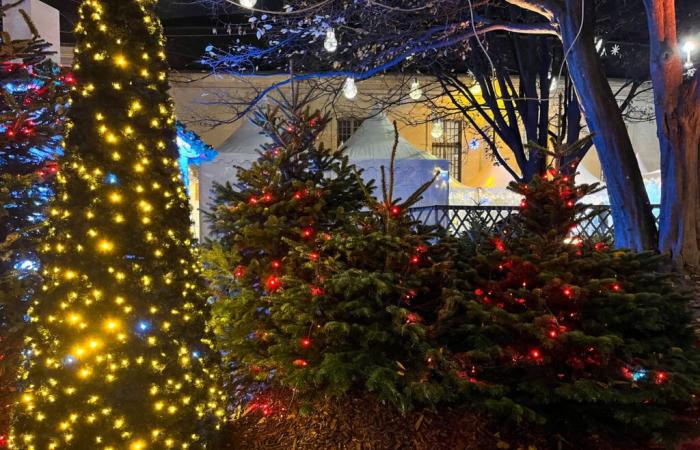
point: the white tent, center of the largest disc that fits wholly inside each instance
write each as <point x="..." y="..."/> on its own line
<point x="241" y="149"/>
<point x="370" y="148"/>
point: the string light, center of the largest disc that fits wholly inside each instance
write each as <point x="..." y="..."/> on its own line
<point x="108" y="285"/>
<point x="416" y="92"/>
<point x="438" y="129"/>
<point x="331" y="42"/>
<point x="688" y="48"/>
<point x="349" y="88"/>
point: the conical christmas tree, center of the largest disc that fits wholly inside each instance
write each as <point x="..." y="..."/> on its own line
<point x="33" y="94"/>
<point x="116" y="358"/>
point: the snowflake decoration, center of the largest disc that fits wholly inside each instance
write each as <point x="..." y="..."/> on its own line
<point x="615" y="50"/>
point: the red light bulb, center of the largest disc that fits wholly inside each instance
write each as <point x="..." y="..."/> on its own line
<point x="307" y="232"/>
<point x="272" y="283"/>
<point x="661" y="377"/>
<point x="305" y="342"/>
<point x="300" y="363"/>
<point x="276" y="264"/>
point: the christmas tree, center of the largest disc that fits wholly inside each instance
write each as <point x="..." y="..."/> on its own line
<point x="321" y="287"/>
<point x="115" y="357"/>
<point x="33" y="93"/>
<point x="578" y="336"/>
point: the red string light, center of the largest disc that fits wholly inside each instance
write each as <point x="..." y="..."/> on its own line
<point x="307" y="232"/>
<point x="305" y="342"/>
<point x="273" y="283"/>
<point x="316" y="291"/>
<point x="661" y="377"/>
<point x="300" y="363"/>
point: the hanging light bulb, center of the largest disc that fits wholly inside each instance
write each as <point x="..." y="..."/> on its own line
<point x="349" y="88"/>
<point x="248" y="3"/>
<point x="331" y="42"/>
<point x="438" y="129"/>
<point x="416" y="92"/>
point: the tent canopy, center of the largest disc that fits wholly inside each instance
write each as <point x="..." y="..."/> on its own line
<point x="375" y="140"/>
<point x="246" y="140"/>
<point x="370" y="148"/>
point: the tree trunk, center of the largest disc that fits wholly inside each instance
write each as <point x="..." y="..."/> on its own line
<point x="678" y="127"/>
<point x="635" y="226"/>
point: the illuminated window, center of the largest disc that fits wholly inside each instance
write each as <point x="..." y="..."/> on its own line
<point x="449" y="146"/>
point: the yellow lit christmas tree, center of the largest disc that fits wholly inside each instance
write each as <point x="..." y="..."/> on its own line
<point x="117" y="357"/>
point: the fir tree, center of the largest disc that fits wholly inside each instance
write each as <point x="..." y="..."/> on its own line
<point x="115" y="357"/>
<point x="576" y="335"/>
<point x="33" y="93"/>
<point x="321" y="287"/>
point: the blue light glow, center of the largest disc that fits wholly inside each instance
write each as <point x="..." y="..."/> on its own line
<point x="639" y="374"/>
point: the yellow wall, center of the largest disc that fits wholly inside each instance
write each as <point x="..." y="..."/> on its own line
<point x="198" y="96"/>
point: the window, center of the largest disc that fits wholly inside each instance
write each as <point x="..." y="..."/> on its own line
<point x="346" y="128"/>
<point x="448" y="145"/>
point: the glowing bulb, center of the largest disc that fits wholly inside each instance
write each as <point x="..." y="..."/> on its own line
<point x="331" y="42"/>
<point x="438" y="129"/>
<point x="349" y="88"/>
<point x="105" y="246"/>
<point x="248" y="3"/>
<point x="416" y="92"/>
<point x="688" y="48"/>
<point x="120" y="61"/>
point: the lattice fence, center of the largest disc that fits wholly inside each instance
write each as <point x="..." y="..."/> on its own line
<point x="473" y="220"/>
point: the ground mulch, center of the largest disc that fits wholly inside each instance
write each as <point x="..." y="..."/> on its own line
<point x="364" y="424"/>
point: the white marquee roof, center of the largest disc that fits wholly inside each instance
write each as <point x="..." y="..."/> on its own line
<point x="246" y="140"/>
<point x="375" y="140"/>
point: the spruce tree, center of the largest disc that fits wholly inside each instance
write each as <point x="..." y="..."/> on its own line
<point x="575" y="335"/>
<point x="322" y="288"/>
<point x="33" y="93"/>
<point x="115" y="357"/>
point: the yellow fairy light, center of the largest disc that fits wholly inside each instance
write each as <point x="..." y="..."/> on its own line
<point x="120" y="61"/>
<point x="115" y="197"/>
<point x="112" y="325"/>
<point x="139" y="444"/>
<point x="105" y="246"/>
